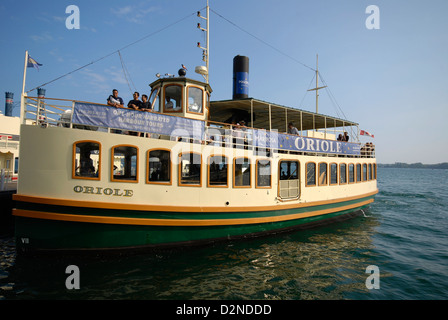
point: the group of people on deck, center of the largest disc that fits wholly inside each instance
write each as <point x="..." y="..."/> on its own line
<point x="115" y="101"/>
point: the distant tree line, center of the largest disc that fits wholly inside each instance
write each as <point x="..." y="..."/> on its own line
<point x="443" y="165"/>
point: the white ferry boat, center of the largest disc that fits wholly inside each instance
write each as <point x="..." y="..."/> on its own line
<point x="191" y="170"/>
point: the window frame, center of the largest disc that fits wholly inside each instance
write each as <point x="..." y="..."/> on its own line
<point x="337" y="174"/>
<point x="315" y="174"/>
<point x="209" y="185"/>
<point x="179" y="181"/>
<point x="181" y="102"/>
<point x="250" y="173"/>
<point x="340" y="171"/>
<point x="187" y="100"/>
<point x="358" y="173"/>
<point x="74" y="176"/>
<point x="256" y="174"/>
<point x="112" y="179"/>
<point x="166" y="183"/>
<point x="325" y="183"/>
<point x="354" y="173"/>
<point x="365" y="175"/>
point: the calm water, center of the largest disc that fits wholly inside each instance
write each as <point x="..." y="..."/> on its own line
<point x="404" y="234"/>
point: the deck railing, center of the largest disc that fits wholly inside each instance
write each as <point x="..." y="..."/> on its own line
<point x="50" y="112"/>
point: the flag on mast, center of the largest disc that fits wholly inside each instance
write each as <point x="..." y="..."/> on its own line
<point x="33" y="63"/>
<point x="365" y="133"/>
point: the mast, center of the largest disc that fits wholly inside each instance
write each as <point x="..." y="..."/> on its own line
<point x="206" y="50"/>
<point x="317" y="84"/>
<point x="22" y="97"/>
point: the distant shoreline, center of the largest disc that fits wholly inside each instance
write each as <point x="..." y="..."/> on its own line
<point x="418" y="165"/>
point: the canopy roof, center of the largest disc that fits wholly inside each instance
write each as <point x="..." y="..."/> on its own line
<point x="271" y="116"/>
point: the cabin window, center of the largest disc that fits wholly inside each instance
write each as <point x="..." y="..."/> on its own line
<point x="342" y="173"/>
<point x="358" y="173"/>
<point x="242" y="172"/>
<point x="263" y="173"/>
<point x="217" y="171"/>
<point x="289" y="170"/>
<point x="86" y="160"/>
<point x="195" y="100"/>
<point x="370" y="172"/>
<point x="322" y="173"/>
<point x="173" y="98"/>
<point x="333" y="173"/>
<point x="374" y="171"/>
<point x="364" y="172"/>
<point x="159" y="167"/>
<point x="16" y="165"/>
<point x="125" y="163"/>
<point x="351" y="173"/>
<point x="190" y="169"/>
<point x="310" y="174"/>
<point x="154" y="99"/>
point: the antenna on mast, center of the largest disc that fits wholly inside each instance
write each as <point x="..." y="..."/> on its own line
<point x="317" y="83"/>
<point x="205" y="51"/>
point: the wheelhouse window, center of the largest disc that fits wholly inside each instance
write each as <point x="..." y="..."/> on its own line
<point x="195" y="100"/>
<point x="263" y="174"/>
<point x="351" y="173"/>
<point x="159" y="167"/>
<point x="323" y="173"/>
<point x="125" y="163"/>
<point x="86" y="160"/>
<point x="333" y="173"/>
<point x="190" y="169"/>
<point x="154" y="99"/>
<point x="173" y="98"/>
<point x="358" y="173"/>
<point x="342" y="173"/>
<point x="242" y="172"/>
<point x="217" y="171"/>
<point x="310" y="174"/>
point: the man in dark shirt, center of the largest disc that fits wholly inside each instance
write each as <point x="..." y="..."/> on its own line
<point x="114" y="100"/>
<point x="146" y="105"/>
<point x="135" y="103"/>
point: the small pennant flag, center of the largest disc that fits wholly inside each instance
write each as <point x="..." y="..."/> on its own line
<point x="365" y="133"/>
<point x="33" y="63"/>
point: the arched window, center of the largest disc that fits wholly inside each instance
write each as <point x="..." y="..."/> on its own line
<point x="358" y="173"/>
<point x="310" y="174"/>
<point x="173" y="98"/>
<point x="124" y="163"/>
<point x="218" y="171"/>
<point x="263" y="174"/>
<point x="241" y="173"/>
<point x="190" y="169"/>
<point x="323" y="174"/>
<point x="342" y="173"/>
<point x="195" y="100"/>
<point x="351" y="173"/>
<point x="86" y="160"/>
<point x="333" y="173"/>
<point x="159" y="167"/>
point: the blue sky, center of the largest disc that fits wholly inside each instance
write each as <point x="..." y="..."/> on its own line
<point x="392" y="81"/>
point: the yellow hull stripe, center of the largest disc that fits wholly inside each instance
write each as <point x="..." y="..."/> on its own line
<point x="178" y="222"/>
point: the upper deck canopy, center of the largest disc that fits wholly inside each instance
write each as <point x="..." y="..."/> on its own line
<point x="271" y="116"/>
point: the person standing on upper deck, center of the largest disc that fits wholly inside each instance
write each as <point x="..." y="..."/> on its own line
<point x="135" y="103"/>
<point x="292" y="129"/>
<point x="114" y="100"/>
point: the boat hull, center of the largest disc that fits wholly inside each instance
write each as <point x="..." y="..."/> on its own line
<point x="45" y="227"/>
